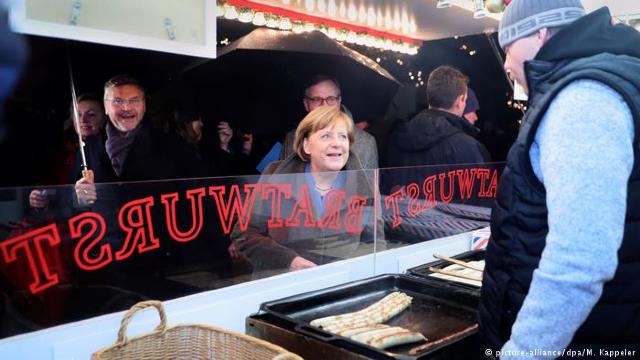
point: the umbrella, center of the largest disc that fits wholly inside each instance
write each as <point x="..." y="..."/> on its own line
<point x="259" y="79"/>
<point x="314" y="42"/>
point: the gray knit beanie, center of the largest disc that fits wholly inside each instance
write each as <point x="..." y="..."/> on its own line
<point x="524" y="17"/>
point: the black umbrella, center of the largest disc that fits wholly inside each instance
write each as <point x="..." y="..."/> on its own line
<point x="258" y="80"/>
<point x="314" y="42"/>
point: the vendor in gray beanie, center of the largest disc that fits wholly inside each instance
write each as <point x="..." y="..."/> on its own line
<point x="523" y="18"/>
<point x="534" y="22"/>
<point x="561" y="267"/>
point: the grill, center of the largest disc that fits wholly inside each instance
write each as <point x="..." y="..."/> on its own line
<point x="445" y="315"/>
<point x="423" y="271"/>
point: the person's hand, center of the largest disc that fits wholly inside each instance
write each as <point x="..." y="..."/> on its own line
<point x="233" y="251"/>
<point x="86" y="191"/>
<point x="247" y="143"/>
<point x="362" y="124"/>
<point x="300" y="263"/>
<point x="38" y="199"/>
<point x="225" y="133"/>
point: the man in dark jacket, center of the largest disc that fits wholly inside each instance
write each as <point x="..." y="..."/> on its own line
<point x="562" y="263"/>
<point x="138" y="156"/>
<point x="438" y="135"/>
<point x="136" y="151"/>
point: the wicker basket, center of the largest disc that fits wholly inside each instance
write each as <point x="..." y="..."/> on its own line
<point x="187" y="342"/>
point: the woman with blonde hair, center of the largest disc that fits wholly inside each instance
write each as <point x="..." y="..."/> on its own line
<point x="324" y="173"/>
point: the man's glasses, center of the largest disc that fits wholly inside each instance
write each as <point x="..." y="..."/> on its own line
<point x="329" y="100"/>
<point x="120" y="102"/>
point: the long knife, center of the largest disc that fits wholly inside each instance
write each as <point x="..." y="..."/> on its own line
<point x="86" y="173"/>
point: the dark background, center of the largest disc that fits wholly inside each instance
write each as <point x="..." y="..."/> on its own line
<point x="263" y="100"/>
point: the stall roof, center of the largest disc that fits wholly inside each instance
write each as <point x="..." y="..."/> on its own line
<point x="427" y="21"/>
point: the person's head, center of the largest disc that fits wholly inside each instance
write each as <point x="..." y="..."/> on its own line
<point x="90" y="115"/>
<point x="447" y="90"/>
<point x="323" y="139"/>
<point x="471" y="107"/>
<point x="124" y="102"/>
<point x="527" y="25"/>
<point x="322" y="90"/>
<point x="188" y="126"/>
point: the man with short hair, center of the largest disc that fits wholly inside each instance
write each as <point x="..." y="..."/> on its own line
<point x="562" y="263"/>
<point x="137" y="157"/>
<point x="136" y="151"/>
<point x="325" y="90"/>
<point x="438" y="135"/>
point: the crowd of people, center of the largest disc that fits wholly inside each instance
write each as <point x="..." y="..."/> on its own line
<point x="327" y="150"/>
<point x="122" y="144"/>
<point x="565" y="220"/>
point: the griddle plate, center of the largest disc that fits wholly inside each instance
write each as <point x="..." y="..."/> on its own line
<point x="436" y="312"/>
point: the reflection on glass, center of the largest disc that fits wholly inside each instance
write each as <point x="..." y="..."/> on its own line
<point x="430" y="202"/>
<point x="62" y="262"/>
<point x="294" y="226"/>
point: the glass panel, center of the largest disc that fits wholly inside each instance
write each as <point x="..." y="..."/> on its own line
<point x="62" y="261"/>
<point x="429" y="202"/>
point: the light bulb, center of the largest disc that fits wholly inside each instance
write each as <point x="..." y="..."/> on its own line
<point x="259" y="20"/>
<point x="231" y="13"/>
<point x="246" y="17"/>
<point x="285" y="24"/>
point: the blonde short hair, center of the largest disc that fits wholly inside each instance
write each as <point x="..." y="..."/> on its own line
<point x="318" y="119"/>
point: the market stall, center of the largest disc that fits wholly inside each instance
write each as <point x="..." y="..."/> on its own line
<point x="220" y="250"/>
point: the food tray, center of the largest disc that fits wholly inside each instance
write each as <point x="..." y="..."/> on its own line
<point x="423" y="271"/>
<point x="443" y="315"/>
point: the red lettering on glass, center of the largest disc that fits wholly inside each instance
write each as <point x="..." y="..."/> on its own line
<point x="483" y="175"/>
<point x="195" y="197"/>
<point x="135" y="220"/>
<point x="302" y="206"/>
<point x="277" y="192"/>
<point x="493" y="186"/>
<point x="82" y="252"/>
<point x="392" y="202"/>
<point x="429" y="188"/>
<point x="446" y="198"/>
<point x="466" y="182"/>
<point x="31" y="243"/>
<point x="414" y="208"/>
<point x="231" y="209"/>
<point x="332" y="206"/>
<point x="354" y="214"/>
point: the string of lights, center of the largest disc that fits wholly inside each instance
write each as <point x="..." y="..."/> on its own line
<point x="285" y="19"/>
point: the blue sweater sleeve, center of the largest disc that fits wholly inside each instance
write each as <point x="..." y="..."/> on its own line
<point x="583" y="154"/>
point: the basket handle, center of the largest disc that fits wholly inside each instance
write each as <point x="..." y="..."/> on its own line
<point x="122" y="333"/>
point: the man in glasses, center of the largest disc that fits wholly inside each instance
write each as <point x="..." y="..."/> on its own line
<point x="325" y="90"/>
<point x="137" y="156"/>
<point x="136" y="151"/>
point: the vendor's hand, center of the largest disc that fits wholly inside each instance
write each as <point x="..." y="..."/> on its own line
<point x="300" y="263"/>
<point x="38" y="199"/>
<point x="247" y="143"/>
<point x="233" y="251"/>
<point x="86" y="191"/>
<point x="225" y="133"/>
